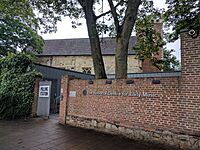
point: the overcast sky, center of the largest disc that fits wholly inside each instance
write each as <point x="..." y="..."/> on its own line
<point x="65" y="30"/>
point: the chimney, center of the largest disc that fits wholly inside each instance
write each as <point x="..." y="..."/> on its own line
<point x="147" y="65"/>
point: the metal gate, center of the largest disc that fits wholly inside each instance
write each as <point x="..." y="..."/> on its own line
<point x="43" y="107"/>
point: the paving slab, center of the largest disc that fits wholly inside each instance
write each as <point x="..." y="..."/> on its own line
<point x="42" y="134"/>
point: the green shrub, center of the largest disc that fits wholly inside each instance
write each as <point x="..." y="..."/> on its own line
<point x="17" y="78"/>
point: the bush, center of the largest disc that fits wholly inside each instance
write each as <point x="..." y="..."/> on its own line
<point x="17" y="78"/>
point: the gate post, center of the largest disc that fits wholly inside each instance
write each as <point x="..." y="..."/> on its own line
<point x="64" y="99"/>
<point x="190" y="82"/>
<point x="35" y="99"/>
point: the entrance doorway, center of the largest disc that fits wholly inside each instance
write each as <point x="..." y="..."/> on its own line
<point x="43" y="105"/>
<point x="48" y="98"/>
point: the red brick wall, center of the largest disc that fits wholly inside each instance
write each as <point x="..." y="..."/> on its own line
<point x="35" y="100"/>
<point x="144" y="112"/>
<point x="147" y="65"/>
<point x="171" y="116"/>
<point x="190" y="83"/>
<point x="64" y="99"/>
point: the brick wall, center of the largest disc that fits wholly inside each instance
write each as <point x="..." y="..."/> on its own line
<point x="35" y="100"/>
<point x="147" y="65"/>
<point x="146" y="112"/>
<point x="190" y="83"/>
<point x="167" y="113"/>
<point x="64" y="99"/>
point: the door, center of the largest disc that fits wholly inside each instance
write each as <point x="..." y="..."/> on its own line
<point x="53" y="100"/>
<point x="43" y="107"/>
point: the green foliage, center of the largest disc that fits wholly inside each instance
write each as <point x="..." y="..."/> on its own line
<point x="17" y="78"/>
<point x="149" y="41"/>
<point x="122" y="15"/>
<point x="116" y="21"/>
<point x="18" y="27"/>
<point x="169" y="61"/>
<point x="18" y="32"/>
<point x="182" y="14"/>
<point x="52" y="11"/>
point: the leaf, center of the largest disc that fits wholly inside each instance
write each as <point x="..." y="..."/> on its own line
<point x="18" y="28"/>
<point x="16" y="85"/>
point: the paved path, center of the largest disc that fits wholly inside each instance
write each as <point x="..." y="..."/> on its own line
<point x="39" y="134"/>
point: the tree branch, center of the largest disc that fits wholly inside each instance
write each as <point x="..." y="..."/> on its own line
<point x="130" y="16"/>
<point x="87" y="6"/>
<point x="81" y="2"/>
<point x="103" y="14"/>
<point x="114" y="14"/>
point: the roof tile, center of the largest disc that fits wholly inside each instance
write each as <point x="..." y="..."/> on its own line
<point x="81" y="46"/>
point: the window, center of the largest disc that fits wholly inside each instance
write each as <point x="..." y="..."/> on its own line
<point x="87" y="70"/>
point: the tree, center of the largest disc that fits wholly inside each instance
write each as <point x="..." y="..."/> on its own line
<point x="53" y="10"/>
<point x="18" y="27"/>
<point x="18" y="32"/>
<point x="169" y="61"/>
<point x="94" y="38"/>
<point x="150" y="42"/>
<point x="123" y="14"/>
<point x="182" y="14"/>
<point x="124" y="22"/>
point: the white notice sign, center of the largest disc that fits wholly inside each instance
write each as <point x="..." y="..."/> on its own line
<point x="72" y="93"/>
<point x="44" y="91"/>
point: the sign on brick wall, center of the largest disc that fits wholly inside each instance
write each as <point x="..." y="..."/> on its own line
<point x="129" y="94"/>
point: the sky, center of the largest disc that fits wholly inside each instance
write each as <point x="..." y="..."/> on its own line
<point x="65" y="30"/>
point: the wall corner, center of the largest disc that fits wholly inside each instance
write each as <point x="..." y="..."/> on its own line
<point x="63" y="99"/>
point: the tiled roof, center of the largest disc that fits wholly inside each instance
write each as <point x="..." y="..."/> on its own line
<point x="81" y="46"/>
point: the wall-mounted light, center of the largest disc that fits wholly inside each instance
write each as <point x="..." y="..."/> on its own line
<point x="108" y="81"/>
<point x="156" y="82"/>
<point x="194" y="33"/>
<point x="90" y="82"/>
<point x="129" y="82"/>
<point x="84" y="92"/>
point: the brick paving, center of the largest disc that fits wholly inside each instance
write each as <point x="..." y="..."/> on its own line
<point x="40" y="134"/>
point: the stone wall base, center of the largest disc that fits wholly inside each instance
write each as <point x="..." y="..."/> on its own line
<point x="181" y="141"/>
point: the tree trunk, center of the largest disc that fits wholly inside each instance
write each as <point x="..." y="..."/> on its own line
<point x="121" y="58"/>
<point x="123" y="37"/>
<point x="98" y="63"/>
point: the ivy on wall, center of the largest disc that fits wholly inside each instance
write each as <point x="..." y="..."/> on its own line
<point x="17" y="77"/>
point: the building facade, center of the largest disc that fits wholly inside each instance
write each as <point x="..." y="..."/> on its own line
<point x="84" y="63"/>
<point x="75" y="54"/>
